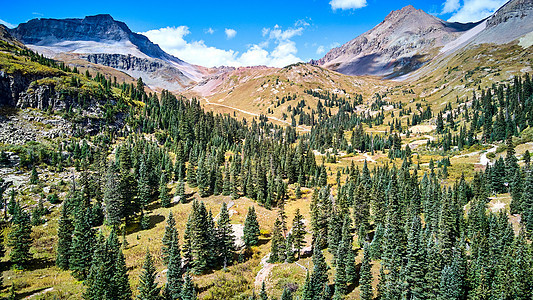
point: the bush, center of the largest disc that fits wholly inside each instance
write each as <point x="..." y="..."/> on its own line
<point x="53" y="198"/>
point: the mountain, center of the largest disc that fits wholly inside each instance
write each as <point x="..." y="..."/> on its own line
<point x="409" y="38"/>
<point x="405" y="40"/>
<point x="102" y="40"/>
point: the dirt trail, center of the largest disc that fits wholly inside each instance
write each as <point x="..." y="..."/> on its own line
<point x="369" y="158"/>
<point x="254" y="114"/>
<point x="483" y="160"/>
<point x="262" y="275"/>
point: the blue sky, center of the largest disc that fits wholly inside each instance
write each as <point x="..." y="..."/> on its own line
<point x="240" y="33"/>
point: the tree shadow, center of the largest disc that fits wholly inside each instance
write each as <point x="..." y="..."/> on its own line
<point x="29" y="293"/>
<point x="37" y="264"/>
<point x="155" y="219"/>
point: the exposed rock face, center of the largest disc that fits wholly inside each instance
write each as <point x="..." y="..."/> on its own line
<point x="125" y="62"/>
<point x="103" y="40"/>
<point x="510" y="22"/>
<point x="97" y="28"/>
<point x="12" y="86"/>
<point x="518" y="9"/>
<point x="404" y="41"/>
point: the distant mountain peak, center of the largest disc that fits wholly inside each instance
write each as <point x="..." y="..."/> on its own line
<point x="103" y="40"/>
<point x="399" y="44"/>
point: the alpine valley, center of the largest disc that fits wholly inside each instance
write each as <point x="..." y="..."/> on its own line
<point x="397" y="166"/>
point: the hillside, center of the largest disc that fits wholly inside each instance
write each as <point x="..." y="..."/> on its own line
<point x="267" y="183"/>
<point x="403" y="42"/>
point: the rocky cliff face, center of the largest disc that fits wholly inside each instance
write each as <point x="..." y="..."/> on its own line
<point x="99" y="28"/>
<point x="404" y="41"/>
<point x="103" y="40"/>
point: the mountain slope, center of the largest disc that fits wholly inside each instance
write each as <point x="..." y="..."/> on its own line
<point x="405" y="40"/>
<point x="101" y="39"/>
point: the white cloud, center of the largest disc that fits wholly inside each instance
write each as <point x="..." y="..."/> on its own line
<point x="276" y="50"/>
<point x="473" y="10"/>
<point x="347" y="4"/>
<point x="450" y="6"/>
<point x="7" y="24"/>
<point x="320" y="50"/>
<point x="209" y="30"/>
<point x="230" y="33"/>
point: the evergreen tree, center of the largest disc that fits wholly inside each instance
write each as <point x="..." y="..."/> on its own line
<point x="64" y="239"/>
<point x="365" y="275"/>
<point x="170" y="231"/>
<point x="319" y="277"/>
<point x="114" y="203"/>
<point x="226" y="240"/>
<point x="251" y="230"/>
<point x="298" y="232"/>
<point x="287" y="294"/>
<point x="175" y="271"/>
<point x="188" y="292"/>
<point x="83" y="242"/>
<point x="414" y="269"/>
<point x="19" y="238"/>
<point x="263" y="295"/>
<point x="143" y="185"/>
<point x="164" y="197"/>
<point x="148" y="289"/>
<point x="277" y="243"/>
<point x="34" y="178"/>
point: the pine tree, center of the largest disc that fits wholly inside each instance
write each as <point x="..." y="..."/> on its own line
<point x="175" y="271"/>
<point x="287" y="294"/>
<point x="527" y="201"/>
<point x="180" y="192"/>
<point x="120" y="278"/>
<point x="319" y="277"/>
<point x="365" y="275"/>
<point x="202" y="179"/>
<point x="34" y="178"/>
<point x="170" y="230"/>
<point x="148" y="289"/>
<point x="108" y="278"/>
<point x="340" y="274"/>
<point x="64" y="239"/>
<point x="276" y="245"/>
<point x="83" y="242"/>
<point x="164" y="197"/>
<point x="114" y="203"/>
<point x="19" y="238"/>
<point x="251" y="230"/>
<point x="188" y="291"/>
<point x="226" y="240"/>
<point x="298" y="232"/>
<point x="414" y="269"/>
<point x="143" y="185"/>
<point x="263" y="295"/>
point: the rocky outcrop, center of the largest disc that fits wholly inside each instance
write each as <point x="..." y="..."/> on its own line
<point x="126" y="62"/>
<point x="103" y="40"/>
<point x="517" y="9"/>
<point x="404" y="41"/>
<point x="92" y="28"/>
<point x="12" y="86"/>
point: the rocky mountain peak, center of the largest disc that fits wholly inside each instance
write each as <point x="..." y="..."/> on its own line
<point x="514" y="9"/>
<point x="399" y="44"/>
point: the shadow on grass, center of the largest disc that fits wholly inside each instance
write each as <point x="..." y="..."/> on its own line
<point x="39" y="263"/>
<point x="29" y="293"/>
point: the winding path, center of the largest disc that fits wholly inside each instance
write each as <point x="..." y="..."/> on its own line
<point x="207" y="102"/>
<point x="483" y="160"/>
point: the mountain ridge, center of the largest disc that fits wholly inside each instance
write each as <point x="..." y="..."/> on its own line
<point x="402" y="42"/>
<point x="106" y="41"/>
